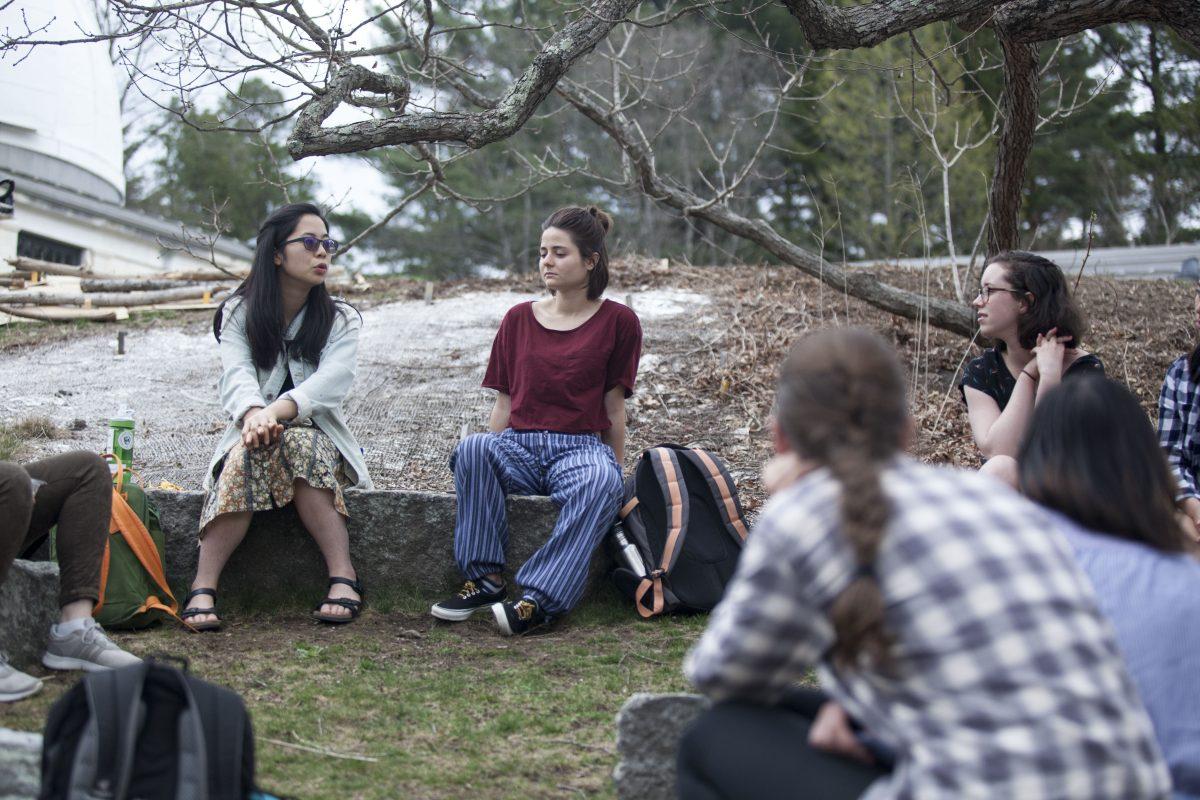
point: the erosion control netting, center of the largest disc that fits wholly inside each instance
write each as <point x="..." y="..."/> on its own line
<point x="419" y="369"/>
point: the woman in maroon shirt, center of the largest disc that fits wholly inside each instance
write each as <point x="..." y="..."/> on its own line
<point x="563" y="367"/>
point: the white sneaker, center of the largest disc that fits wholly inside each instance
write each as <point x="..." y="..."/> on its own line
<point x="87" y="649"/>
<point x="14" y="684"/>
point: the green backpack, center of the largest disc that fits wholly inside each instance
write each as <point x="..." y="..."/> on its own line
<point x="134" y="591"/>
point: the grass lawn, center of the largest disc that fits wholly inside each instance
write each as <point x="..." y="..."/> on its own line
<point x="441" y="710"/>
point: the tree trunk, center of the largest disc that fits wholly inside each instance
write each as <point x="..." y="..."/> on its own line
<point x="1162" y="212"/>
<point x="1019" y="105"/>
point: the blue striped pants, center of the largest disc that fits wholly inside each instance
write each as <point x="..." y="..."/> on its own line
<point x="577" y="470"/>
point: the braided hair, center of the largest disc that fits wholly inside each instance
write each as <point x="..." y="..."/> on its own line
<point x="841" y="404"/>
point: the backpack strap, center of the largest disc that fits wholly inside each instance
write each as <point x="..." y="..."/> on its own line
<point x="720" y="483"/>
<point x="133" y="531"/>
<point x="191" y="781"/>
<point x="670" y="479"/>
<point x="105" y="753"/>
<point x="628" y="508"/>
<point x="223" y="722"/>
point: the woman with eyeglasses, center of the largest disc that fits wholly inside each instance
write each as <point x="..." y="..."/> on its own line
<point x="288" y="356"/>
<point x="1026" y="309"/>
<point x="1091" y="456"/>
<point x="1179" y="427"/>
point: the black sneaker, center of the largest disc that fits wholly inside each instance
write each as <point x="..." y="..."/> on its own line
<point x="519" y="617"/>
<point x="472" y="597"/>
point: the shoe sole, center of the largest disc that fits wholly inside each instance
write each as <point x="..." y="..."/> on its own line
<point x="12" y="697"/>
<point x="502" y="619"/>
<point x="450" y="615"/>
<point x="52" y="661"/>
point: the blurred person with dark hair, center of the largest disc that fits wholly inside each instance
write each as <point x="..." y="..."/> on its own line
<point x="941" y="619"/>
<point x="562" y="368"/>
<point x="289" y="352"/>
<point x="1026" y="308"/>
<point x="1179" y="427"/>
<point x="73" y="491"/>
<point x="1092" y="456"/>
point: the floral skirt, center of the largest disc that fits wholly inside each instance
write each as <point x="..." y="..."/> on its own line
<point x="264" y="478"/>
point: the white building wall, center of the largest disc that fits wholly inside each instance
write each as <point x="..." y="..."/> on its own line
<point x="109" y="249"/>
<point x="61" y="102"/>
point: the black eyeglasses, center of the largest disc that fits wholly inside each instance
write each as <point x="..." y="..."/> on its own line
<point x="311" y="243"/>
<point x="987" y="291"/>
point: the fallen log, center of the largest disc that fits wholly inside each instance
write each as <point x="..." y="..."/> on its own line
<point x="131" y="284"/>
<point x="202" y="275"/>
<point x="110" y="298"/>
<point x="68" y="314"/>
<point x="209" y="307"/>
<point x="30" y="265"/>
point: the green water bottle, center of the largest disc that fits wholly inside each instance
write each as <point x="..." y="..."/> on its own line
<point x="121" y="428"/>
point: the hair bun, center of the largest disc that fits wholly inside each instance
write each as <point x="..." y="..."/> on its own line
<point x="604" y="219"/>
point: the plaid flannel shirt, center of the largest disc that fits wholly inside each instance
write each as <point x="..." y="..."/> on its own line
<point x="1178" y="422"/>
<point x="1008" y="682"/>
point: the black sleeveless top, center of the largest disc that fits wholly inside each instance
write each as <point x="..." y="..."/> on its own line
<point x="989" y="374"/>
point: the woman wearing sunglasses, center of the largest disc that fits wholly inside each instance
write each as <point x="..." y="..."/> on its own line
<point x="1026" y="309"/>
<point x="288" y="356"/>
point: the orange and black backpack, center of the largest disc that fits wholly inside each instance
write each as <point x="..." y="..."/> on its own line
<point x="679" y="532"/>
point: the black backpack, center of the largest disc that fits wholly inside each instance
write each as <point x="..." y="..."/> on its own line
<point x="683" y="522"/>
<point x="147" y="731"/>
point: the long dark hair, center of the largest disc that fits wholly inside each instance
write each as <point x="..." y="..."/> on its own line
<point x="1052" y="305"/>
<point x="588" y="228"/>
<point x="263" y="300"/>
<point x="1091" y="454"/>
<point x="841" y="403"/>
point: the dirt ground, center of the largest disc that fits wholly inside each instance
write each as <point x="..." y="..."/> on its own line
<point x="417" y="388"/>
<point x="713" y="339"/>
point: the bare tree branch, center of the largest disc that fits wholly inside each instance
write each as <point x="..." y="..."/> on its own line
<point x="846" y="28"/>
<point x="561" y="51"/>
<point x="863" y="285"/>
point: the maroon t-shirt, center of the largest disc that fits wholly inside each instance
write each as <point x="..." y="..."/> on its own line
<point x="557" y="379"/>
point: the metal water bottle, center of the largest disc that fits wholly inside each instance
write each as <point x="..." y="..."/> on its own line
<point x="628" y="551"/>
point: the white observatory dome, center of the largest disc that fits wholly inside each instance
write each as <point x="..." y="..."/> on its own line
<point x="60" y="117"/>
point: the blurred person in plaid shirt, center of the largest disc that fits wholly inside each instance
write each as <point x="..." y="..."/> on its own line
<point x="958" y="646"/>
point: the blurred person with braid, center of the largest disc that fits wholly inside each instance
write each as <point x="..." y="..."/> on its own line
<point x="957" y="646"/>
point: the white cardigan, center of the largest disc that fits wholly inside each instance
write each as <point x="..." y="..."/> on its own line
<point x="318" y="393"/>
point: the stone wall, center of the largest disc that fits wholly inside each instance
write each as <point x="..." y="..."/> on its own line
<point x="402" y="544"/>
<point x="28" y="607"/>
<point x="649" y="727"/>
<point x="20" y="764"/>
